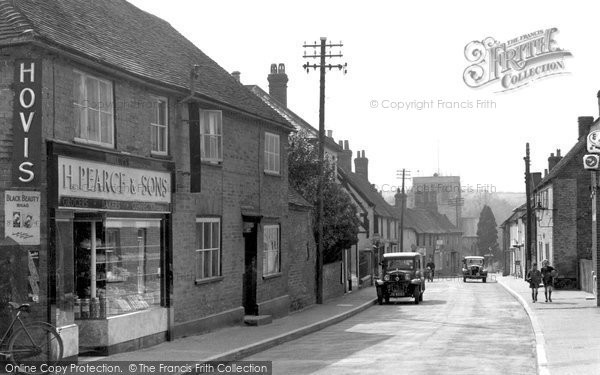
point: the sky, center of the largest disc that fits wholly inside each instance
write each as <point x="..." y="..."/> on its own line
<point x="411" y="52"/>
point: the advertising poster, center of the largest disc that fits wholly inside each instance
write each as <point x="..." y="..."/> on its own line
<point x="22" y="216"/>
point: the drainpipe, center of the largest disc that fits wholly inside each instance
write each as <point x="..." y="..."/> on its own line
<point x="193" y="77"/>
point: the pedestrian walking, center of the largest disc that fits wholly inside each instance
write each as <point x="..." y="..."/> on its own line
<point x="534" y="278"/>
<point x="431" y="269"/>
<point x="548" y="273"/>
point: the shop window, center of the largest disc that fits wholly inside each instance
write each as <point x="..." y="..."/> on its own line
<point x="272" y="153"/>
<point x="93" y="110"/>
<point x="159" y="130"/>
<point x="211" y="136"/>
<point x="208" y="248"/>
<point x="117" y="266"/>
<point x="271" y="250"/>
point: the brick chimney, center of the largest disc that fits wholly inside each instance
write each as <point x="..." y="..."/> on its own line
<point x="345" y="157"/>
<point x="584" y="123"/>
<point x="361" y="165"/>
<point x="553" y="160"/>
<point x="236" y="75"/>
<point x="278" y="83"/>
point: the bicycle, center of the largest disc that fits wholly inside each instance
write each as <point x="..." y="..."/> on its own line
<point x="32" y="344"/>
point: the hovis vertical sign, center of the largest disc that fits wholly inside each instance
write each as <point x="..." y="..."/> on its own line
<point x="27" y="123"/>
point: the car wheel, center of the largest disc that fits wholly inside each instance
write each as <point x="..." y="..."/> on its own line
<point x="417" y="294"/>
<point x="484" y="279"/>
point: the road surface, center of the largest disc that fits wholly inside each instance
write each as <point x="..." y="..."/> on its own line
<point x="459" y="328"/>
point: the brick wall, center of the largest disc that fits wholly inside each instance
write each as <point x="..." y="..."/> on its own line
<point x="239" y="181"/>
<point x="302" y="260"/>
<point x="332" y="276"/>
<point x="565" y="227"/>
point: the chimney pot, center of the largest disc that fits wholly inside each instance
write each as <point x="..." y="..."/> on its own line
<point x="278" y="83"/>
<point x="236" y="75"/>
<point x="330" y="133"/>
<point x="341" y="143"/>
<point x="346" y="146"/>
<point x="558" y="152"/>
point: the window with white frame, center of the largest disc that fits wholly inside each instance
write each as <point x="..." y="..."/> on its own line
<point x="271" y="250"/>
<point x="159" y="129"/>
<point x="272" y="153"/>
<point x="211" y="136"/>
<point x="208" y="247"/>
<point x="93" y="104"/>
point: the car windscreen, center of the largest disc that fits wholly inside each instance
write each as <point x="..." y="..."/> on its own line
<point x="398" y="264"/>
<point x="475" y="262"/>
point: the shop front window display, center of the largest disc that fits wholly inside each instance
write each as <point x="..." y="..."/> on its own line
<point x="117" y="266"/>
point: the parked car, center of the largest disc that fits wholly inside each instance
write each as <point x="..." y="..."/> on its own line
<point x="402" y="276"/>
<point x="473" y="268"/>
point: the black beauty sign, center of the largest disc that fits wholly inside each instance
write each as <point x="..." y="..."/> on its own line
<point x="27" y="123"/>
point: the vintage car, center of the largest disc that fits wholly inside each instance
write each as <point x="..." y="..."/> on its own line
<point x="402" y="275"/>
<point x="473" y="268"/>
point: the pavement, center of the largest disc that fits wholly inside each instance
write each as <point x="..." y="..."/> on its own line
<point x="567" y="330"/>
<point x="233" y="343"/>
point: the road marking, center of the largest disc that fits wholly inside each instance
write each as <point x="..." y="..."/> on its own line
<point x="542" y="360"/>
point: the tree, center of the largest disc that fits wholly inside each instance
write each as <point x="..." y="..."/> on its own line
<point x="487" y="234"/>
<point x="340" y="220"/>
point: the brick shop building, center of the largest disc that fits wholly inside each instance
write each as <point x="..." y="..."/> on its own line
<point x="144" y="188"/>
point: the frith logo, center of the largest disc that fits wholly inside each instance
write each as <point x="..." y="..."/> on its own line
<point x="515" y="63"/>
<point x="27" y="125"/>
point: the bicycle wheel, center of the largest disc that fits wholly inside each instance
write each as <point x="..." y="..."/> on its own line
<point x="35" y="344"/>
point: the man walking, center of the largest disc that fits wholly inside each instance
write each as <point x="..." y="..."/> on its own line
<point x="431" y="268"/>
<point x="534" y="278"/>
<point x="548" y="273"/>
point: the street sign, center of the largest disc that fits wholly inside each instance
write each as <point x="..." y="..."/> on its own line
<point x="593" y="142"/>
<point x="591" y="162"/>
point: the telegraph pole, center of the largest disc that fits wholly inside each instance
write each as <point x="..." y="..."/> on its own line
<point x="321" y="55"/>
<point x="528" y="203"/>
<point x="402" y="209"/>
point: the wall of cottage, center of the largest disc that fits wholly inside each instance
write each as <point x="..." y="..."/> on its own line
<point x="565" y="227"/>
<point x="238" y="182"/>
<point x="571" y="233"/>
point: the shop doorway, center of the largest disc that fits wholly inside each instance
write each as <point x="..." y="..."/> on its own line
<point x="250" y="270"/>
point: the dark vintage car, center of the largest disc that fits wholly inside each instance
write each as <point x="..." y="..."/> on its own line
<point x="402" y="275"/>
<point x="473" y="268"/>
